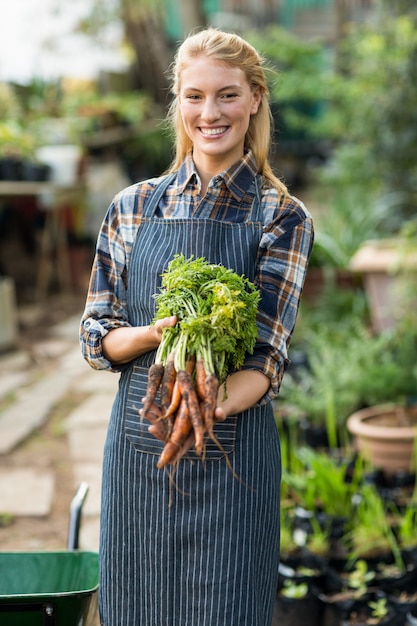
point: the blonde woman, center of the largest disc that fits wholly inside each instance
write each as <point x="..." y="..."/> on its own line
<point x="210" y="556"/>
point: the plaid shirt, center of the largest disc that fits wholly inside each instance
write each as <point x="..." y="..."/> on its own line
<point x="283" y="256"/>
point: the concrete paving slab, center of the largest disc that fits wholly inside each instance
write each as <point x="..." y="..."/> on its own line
<point x="10" y="382"/>
<point x="94" y="411"/>
<point x="15" y="361"/>
<point x="87" y="444"/>
<point x="68" y="328"/>
<point x="90" y="534"/>
<point x="26" y="492"/>
<point x="29" y="412"/>
<point x="49" y="349"/>
<point x="91" y="474"/>
<point x="74" y="363"/>
<point x="99" y="381"/>
<point x="34" y="403"/>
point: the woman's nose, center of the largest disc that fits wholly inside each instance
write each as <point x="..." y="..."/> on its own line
<point x="210" y="110"/>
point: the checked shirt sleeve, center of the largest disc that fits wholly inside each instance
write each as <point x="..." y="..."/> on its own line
<point x="283" y="257"/>
<point x="106" y="307"/>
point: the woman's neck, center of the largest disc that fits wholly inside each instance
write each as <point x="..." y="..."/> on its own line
<point x="208" y="168"/>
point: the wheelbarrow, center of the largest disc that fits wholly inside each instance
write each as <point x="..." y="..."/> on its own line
<point x="51" y="588"/>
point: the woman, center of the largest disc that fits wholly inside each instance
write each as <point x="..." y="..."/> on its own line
<point x="203" y="551"/>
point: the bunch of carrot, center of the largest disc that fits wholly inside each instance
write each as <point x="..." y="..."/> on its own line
<point x="216" y="327"/>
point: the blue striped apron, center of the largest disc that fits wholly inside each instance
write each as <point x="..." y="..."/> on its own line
<point x="201" y="547"/>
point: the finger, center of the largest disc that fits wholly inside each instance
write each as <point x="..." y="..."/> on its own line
<point x="154" y="412"/>
<point x="219" y="414"/>
<point x="159" y="431"/>
<point x="165" y="322"/>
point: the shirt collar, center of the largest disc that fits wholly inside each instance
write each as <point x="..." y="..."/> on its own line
<point x="238" y="178"/>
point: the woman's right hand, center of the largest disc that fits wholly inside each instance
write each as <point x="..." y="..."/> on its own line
<point x="122" y="345"/>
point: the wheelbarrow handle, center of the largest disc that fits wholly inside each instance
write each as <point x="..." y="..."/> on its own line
<point x="75" y="516"/>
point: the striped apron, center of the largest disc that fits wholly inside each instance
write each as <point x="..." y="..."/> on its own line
<point x="200" y="547"/>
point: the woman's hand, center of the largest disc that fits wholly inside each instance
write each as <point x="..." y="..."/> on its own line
<point x="122" y="345"/>
<point x="244" y="389"/>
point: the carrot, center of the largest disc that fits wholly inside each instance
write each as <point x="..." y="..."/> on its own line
<point x="212" y="387"/>
<point x="211" y="390"/>
<point x="176" y="392"/>
<point x="187" y="445"/>
<point x="175" y="401"/>
<point x="167" y="384"/>
<point x="200" y="378"/>
<point x="180" y="431"/>
<point x="190" y="396"/>
<point x="156" y="371"/>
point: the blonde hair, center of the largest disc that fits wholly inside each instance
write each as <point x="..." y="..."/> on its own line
<point x="231" y="49"/>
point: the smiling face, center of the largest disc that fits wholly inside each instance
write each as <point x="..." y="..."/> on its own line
<point x="216" y="103"/>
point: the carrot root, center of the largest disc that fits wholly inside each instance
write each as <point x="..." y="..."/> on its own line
<point x="200" y="379"/>
<point x="156" y="372"/>
<point x="175" y="401"/>
<point x="190" y="397"/>
<point x="210" y="403"/>
<point x="180" y="431"/>
<point x="167" y="385"/>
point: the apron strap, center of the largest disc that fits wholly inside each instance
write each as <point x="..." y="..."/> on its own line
<point x="152" y="202"/>
<point x="256" y="211"/>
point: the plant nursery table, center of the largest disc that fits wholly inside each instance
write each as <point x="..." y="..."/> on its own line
<point x="53" y="199"/>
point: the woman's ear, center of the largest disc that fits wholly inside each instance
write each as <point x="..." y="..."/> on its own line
<point x="256" y="100"/>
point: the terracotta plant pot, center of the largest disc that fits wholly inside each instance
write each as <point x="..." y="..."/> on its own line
<point x="385" y="436"/>
<point x="383" y="264"/>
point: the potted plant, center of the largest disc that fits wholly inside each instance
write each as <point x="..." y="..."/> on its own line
<point x="384" y="430"/>
<point x="324" y="488"/>
<point x="18" y="153"/>
<point x="375" y="611"/>
<point x="298" y="577"/>
<point x="383" y="425"/>
<point x="296" y="604"/>
<point x="322" y="402"/>
<point x="370" y="535"/>
<point x="353" y="587"/>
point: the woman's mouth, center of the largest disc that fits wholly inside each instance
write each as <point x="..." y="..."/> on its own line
<point x="213" y="132"/>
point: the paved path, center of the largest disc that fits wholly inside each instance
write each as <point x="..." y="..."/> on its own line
<point x="28" y="392"/>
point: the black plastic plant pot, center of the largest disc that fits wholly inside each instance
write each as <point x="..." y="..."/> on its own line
<point x="361" y="615"/>
<point x="297" y="611"/>
<point x="37" y="172"/>
<point x="404" y="607"/>
<point x="336" y="607"/>
<point x="310" y="575"/>
<point x="314" y="435"/>
<point x="305" y="559"/>
<point x="335" y="524"/>
<point x="10" y="168"/>
<point x="409" y="556"/>
<point x="405" y="582"/>
<point x="411" y="618"/>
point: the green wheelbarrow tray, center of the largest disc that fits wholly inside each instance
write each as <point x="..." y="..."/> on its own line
<point x="49" y="588"/>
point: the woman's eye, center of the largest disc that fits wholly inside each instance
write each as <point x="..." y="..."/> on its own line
<point x="193" y="96"/>
<point x="228" y="96"/>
